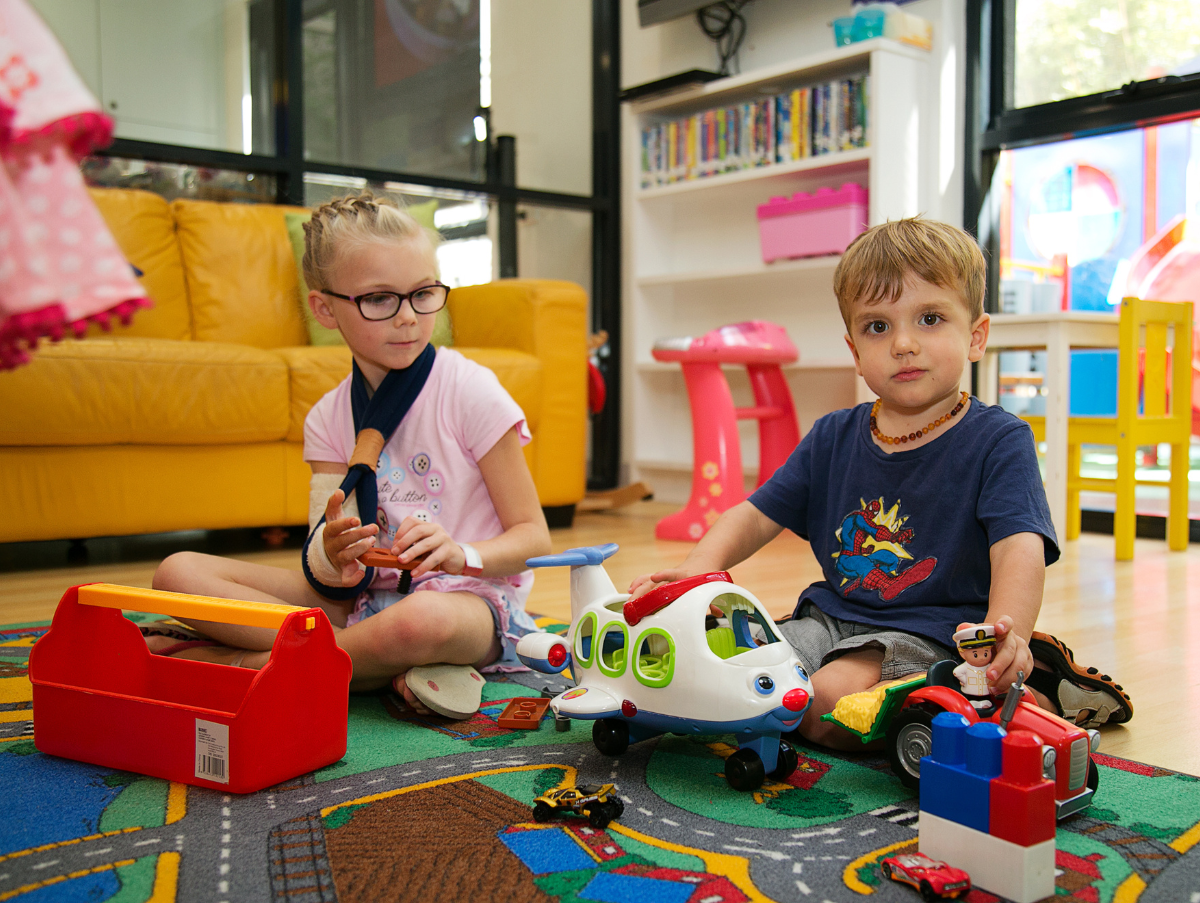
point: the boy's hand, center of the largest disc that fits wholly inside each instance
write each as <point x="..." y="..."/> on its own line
<point x="1012" y="655"/>
<point x="418" y="538"/>
<point x="646" y="582"/>
<point x="345" y="539"/>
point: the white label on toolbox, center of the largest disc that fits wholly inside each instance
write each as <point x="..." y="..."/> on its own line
<point x="212" y="751"/>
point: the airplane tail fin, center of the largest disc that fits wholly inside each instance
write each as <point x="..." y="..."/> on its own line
<point x="589" y="580"/>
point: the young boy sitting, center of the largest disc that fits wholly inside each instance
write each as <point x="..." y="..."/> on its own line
<point x="925" y="509"/>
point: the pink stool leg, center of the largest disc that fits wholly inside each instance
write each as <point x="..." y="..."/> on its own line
<point x="777" y="436"/>
<point x="716" y="455"/>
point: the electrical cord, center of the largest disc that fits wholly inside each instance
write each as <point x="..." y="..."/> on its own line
<point x="724" y="23"/>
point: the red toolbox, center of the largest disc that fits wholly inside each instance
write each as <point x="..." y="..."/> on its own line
<point x="100" y="696"/>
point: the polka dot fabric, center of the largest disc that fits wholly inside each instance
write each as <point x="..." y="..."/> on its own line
<point x="60" y="268"/>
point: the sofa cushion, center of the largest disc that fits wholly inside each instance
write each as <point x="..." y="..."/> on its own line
<point x="312" y="371"/>
<point x="142" y="224"/>
<point x="241" y="275"/>
<point x="145" y="391"/>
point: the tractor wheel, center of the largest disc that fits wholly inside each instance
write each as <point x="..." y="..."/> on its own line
<point x="910" y="737"/>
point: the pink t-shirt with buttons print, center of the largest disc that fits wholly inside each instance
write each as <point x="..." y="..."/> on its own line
<point x="429" y="468"/>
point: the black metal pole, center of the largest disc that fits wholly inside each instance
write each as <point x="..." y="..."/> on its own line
<point x="506" y="210"/>
<point x="606" y="236"/>
<point x="289" y="99"/>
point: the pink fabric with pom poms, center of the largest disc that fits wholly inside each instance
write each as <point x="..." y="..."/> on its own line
<point x="60" y="268"/>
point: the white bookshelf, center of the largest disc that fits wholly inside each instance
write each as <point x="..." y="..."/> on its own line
<point x="692" y="260"/>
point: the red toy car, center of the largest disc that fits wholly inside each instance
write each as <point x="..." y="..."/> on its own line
<point x="935" y="880"/>
<point x="1066" y="753"/>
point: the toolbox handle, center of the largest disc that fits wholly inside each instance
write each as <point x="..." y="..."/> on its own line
<point x="183" y="605"/>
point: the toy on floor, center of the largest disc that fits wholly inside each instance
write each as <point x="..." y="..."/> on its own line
<point x="664" y="663"/>
<point x="598" y="803"/>
<point x="904" y="718"/>
<point x="523" y="713"/>
<point x="987" y="805"/>
<point x="935" y="880"/>
<point x="101" y="696"/>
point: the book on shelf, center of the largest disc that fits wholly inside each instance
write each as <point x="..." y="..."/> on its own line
<point x="805" y="122"/>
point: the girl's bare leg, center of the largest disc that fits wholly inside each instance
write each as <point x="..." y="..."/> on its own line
<point x="423" y="628"/>
<point x="228" y="578"/>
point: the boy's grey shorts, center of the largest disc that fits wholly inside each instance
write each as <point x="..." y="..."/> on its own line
<point x="819" y="638"/>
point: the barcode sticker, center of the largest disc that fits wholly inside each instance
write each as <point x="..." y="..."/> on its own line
<point x="212" y="751"/>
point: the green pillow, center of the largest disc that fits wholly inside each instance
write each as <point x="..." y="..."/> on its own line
<point x="317" y="334"/>
<point x="443" y="332"/>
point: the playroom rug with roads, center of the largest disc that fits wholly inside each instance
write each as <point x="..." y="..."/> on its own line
<point x="430" y="809"/>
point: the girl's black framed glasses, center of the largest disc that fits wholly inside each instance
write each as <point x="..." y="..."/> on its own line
<point x="428" y="299"/>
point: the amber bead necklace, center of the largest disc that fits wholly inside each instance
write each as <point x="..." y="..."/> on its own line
<point x="913" y="437"/>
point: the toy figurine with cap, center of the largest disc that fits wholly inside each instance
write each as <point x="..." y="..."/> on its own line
<point x="698" y="656"/>
<point x="977" y="645"/>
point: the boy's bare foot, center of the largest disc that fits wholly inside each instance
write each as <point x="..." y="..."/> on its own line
<point x="1080" y="695"/>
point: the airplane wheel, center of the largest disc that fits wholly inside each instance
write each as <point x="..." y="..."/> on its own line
<point x="908" y="739"/>
<point x="786" y="763"/>
<point x="744" y="770"/>
<point x="611" y="736"/>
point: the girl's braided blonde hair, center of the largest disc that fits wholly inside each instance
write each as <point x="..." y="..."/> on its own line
<point x="350" y="221"/>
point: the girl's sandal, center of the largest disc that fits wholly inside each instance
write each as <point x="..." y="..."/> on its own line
<point x="453" y="691"/>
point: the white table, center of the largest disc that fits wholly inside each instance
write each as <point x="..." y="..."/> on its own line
<point x="1057" y="333"/>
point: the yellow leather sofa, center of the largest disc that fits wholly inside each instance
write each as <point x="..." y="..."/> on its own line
<point x="192" y="416"/>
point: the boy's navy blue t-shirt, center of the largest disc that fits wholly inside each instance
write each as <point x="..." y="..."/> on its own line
<point x="904" y="538"/>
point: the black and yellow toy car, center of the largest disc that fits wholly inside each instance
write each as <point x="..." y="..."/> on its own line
<point x="598" y="803"/>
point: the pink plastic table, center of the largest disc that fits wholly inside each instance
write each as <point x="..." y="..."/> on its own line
<point x="716" y="451"/>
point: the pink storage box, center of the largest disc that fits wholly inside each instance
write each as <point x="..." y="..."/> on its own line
<point x="811" y="225"/>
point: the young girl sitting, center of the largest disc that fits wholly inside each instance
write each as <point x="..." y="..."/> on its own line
<point x="436" y="444"/>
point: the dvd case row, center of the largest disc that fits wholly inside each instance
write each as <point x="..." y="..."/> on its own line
<point x="805" y="122"/>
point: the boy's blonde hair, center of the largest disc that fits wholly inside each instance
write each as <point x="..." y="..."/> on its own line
<point x="874" y="267"/>
<point x="352" y="221"/>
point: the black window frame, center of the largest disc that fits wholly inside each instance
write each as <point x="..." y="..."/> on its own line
<point x="992" y="126"/>
<point x="289" y="167"/>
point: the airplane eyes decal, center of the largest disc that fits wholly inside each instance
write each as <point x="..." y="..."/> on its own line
<point x="800" y="670"/>
<point x="764" y="685"/>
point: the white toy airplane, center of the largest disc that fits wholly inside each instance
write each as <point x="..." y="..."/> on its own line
<point x="691" y="672"/>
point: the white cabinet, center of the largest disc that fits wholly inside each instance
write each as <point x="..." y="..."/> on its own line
<point x="692" y="260"/>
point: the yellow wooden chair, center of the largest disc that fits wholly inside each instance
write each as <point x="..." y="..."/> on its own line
<point x="1145" y="326"/>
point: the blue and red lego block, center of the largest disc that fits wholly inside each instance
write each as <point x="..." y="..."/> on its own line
<point x="984" y="778"/>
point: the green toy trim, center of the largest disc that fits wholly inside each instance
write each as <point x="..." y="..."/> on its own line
<point x="585" y="661"/>
<point x="654" y="670"/>
<point x="893" y="696"/>
<point x="619" y="656"/>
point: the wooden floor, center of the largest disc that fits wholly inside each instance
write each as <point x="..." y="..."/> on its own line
<point x="1138" y="621"/>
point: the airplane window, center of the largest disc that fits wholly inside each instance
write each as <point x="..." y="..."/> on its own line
<point x="612" y="649"/>
<point x="655" y="662"/>
<point x="738" y="627"/>
<point x="584" y="636"/>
